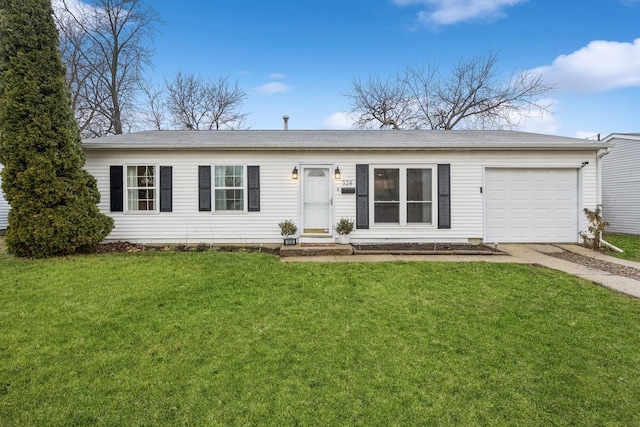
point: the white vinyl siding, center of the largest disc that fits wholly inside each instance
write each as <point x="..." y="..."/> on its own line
<point x="280" y="194"/>
<point x="621" y="186"/>
<point x="4" y="208"/>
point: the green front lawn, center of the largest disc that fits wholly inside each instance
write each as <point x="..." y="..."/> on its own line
<point x="171" y="338"/>
<point x="630" y="244"/>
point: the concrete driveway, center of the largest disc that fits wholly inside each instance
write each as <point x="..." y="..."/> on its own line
<point x="540" y="254"/>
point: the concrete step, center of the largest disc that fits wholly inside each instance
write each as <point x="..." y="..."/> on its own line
<point x="308" y="249"/>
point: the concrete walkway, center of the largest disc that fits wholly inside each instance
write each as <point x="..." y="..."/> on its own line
<point x="514" y="253"/>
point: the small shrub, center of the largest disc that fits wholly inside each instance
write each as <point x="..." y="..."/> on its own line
<point x="596" y="227"/>
<point x="344" y="226"/>
<point x="288" y="228"/>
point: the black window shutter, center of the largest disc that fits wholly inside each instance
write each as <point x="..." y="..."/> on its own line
<point x="166" y="188"/>
<point x="253" y="184"/>
<point x="204" y="188"/>
<point x="116" y="183"/>
<point x="362" y="196"/>
<point x="444" y="196"/>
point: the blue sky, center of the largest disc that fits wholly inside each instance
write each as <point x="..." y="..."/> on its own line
<point x="297" y="57"/>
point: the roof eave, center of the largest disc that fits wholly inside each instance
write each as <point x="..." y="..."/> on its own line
<point x="313" y="147"/>
<point x="631" y="136"/>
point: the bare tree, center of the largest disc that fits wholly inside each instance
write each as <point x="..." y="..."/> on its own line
<point x="203" y="104"/>
<point x="470" y="97"/>
<point x="154" y="112"/>
<point x="75" y="48"/>
<point x="110" y="45"/>
<point x="385" y="103"/>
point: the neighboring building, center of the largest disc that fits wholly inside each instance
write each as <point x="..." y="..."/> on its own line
<point x="400" y="186"/>
<point x="4" y="208"/>
<point x="621" y="183"/>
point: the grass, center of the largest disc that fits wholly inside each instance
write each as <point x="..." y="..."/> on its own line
<point x="171" y="338"/>
<point x="629" y="243"/>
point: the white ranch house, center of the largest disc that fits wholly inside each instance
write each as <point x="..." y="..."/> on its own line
<point x="621" y="183"/>
<point x="399" y="186"/>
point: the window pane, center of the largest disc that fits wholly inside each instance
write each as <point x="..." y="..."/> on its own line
<point x="140" y="188"/>
<point x="386" y="185"/>
<point x="140" y="200"/>
<point x="419" y="185"/>
<point x="387" y="213"/>
<point x="419" y="213"/>
<point x="229" y="176"/>
<point x="140" y="176"/>
<point x="219" y="176"/>
<point x="229" y="200"/>
<point x="132" y="176"/>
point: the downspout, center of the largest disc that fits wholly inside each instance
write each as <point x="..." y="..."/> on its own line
<point x="601" y="154"/>
<point x="609" y="245"/>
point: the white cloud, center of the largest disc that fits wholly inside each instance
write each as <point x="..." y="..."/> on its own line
<point x="448" y="12"/>
<point x="273" y="88"/>
<point x="76" y="7"/>
<point x="338" y="121"/>
<point x="597" y="67"/>
<point x="546" y="122"/>
<point x="277" y="76"/>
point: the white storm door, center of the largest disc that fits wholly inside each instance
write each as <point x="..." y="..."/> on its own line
<point x="316" y="199"/>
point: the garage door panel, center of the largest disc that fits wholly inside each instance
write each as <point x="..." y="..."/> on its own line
<point x="531" y="205"/>
<point x="541" y="195"/>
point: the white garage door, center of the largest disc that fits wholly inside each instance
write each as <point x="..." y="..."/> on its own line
<point x="531" y="205"/>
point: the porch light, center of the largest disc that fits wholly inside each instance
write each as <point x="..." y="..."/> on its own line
<point x="337" y="174"/>
<point x="294" y="173"/>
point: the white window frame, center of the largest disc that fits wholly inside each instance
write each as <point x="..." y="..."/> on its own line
<point x="155" y="188"/>
<point x="402" y="170"/>
<point x="244" y="188"/>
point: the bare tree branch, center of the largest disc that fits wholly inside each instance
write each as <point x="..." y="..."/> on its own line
<point x="198" y="104"/>
<point x="106" y="47"/>
<point x="154" y="112"/>
<point x="382" y="103"/>
<point x="470" y="97"/>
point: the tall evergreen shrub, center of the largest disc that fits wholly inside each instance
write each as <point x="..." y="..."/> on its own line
<point x="53" y="199"/>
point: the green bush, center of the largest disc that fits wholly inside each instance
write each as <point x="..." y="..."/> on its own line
<point x="53" y="200"/>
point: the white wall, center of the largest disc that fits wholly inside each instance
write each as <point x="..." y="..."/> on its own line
<point x="279" y="193"/>
<point x="4" y="208"/>
<point x="621" y="186"/>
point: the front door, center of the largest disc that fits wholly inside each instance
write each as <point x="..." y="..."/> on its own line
<point x="316" y="200"/>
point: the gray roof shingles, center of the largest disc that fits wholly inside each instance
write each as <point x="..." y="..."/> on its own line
<point x="300" y="140"/>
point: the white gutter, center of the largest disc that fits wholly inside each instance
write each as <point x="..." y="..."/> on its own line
<point x="601" y="154"/>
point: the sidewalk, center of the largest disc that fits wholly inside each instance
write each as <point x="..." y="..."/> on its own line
<point x="537" y="254"/>
<point x="514" y="253"/>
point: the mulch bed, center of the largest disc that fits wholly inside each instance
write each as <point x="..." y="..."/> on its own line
<point x="133" y="247"/>
<point x="598" y="264"/>
<point x="426" y="249"/>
